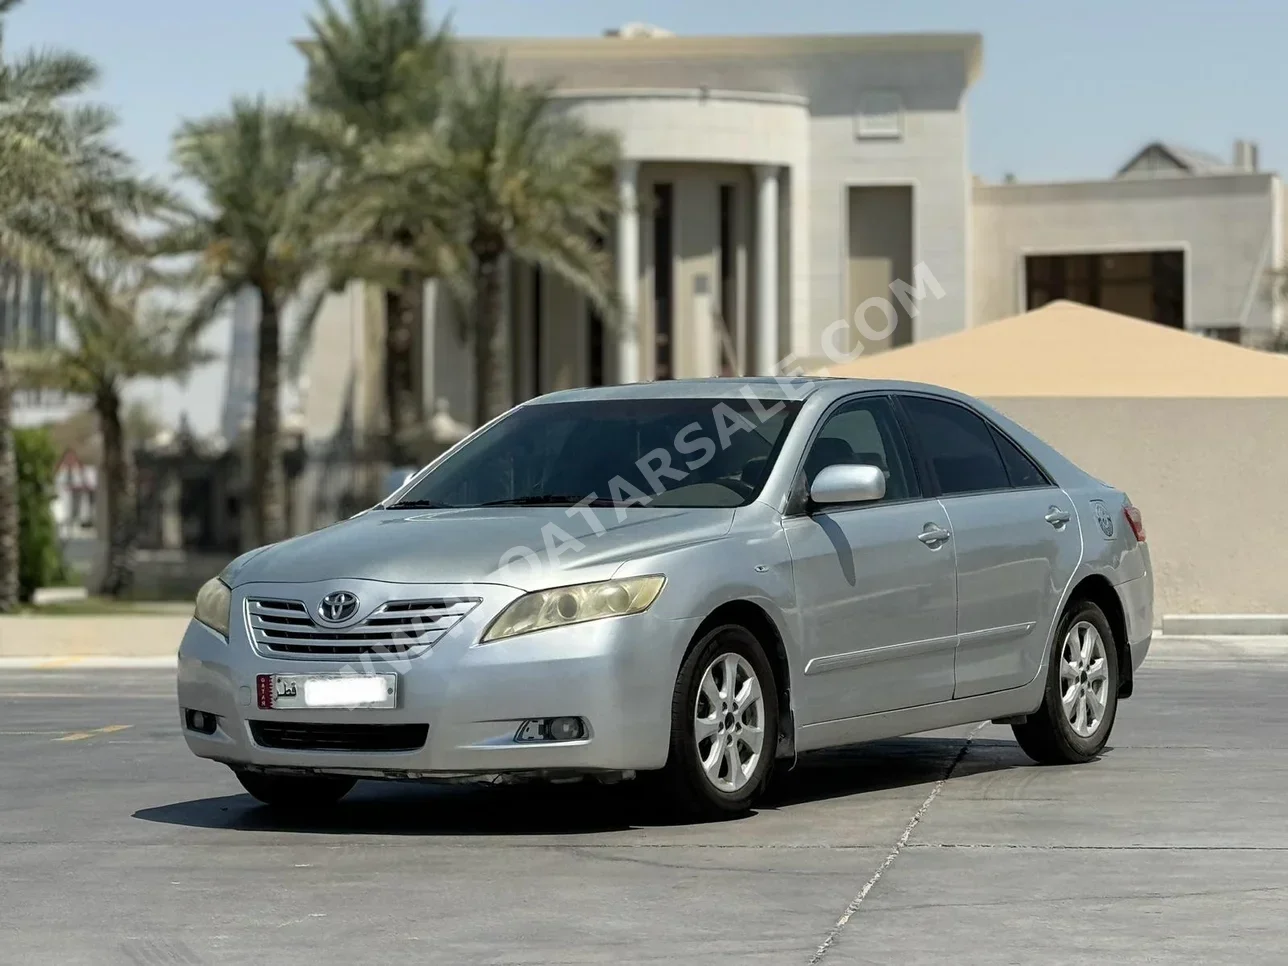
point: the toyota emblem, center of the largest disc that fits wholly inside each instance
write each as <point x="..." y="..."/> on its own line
<point x="338" y="607"/>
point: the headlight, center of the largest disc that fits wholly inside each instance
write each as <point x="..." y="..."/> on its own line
<point x="574" y="605"/>
<point x="215" y="606"/>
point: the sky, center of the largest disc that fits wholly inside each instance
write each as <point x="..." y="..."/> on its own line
<point x="1068" y="90"/>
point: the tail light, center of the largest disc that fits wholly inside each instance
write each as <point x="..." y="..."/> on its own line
<point x="1135" y="522"/>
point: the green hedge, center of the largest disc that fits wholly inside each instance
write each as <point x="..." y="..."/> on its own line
<point x="40" y="558"/>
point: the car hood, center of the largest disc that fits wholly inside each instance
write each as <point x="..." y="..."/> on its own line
<point x="457" y="546"/>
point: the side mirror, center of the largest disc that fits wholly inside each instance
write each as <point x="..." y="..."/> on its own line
<point x="848" y="483"/>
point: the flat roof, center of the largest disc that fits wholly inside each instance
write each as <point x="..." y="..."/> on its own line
<point x="697" y="47"/>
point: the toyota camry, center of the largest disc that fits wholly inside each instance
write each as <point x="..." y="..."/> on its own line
<point x="687" y="583"/>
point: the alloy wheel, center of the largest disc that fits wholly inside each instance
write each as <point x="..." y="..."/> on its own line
<point x="729" y="722"/>
<point x="1084" y="679"/>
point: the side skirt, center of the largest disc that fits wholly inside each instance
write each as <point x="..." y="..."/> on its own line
<point x="926" y="717"/>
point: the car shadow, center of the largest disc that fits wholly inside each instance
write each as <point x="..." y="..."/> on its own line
<point x="889" y="765"/>
<point x="412" y="808"/>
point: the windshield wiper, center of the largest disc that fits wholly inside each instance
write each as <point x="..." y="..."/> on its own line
<point x="551" y="499"/>
<point x="418" y="505"/>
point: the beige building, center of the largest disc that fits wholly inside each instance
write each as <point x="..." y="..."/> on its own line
<point x="772" y="185"/>
<point x="1191" y="428"/>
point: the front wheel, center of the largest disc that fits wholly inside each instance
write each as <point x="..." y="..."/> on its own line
<point x="1081" y="697"/>
<point x="295" y="793"/>
<point x="724" y="725"/>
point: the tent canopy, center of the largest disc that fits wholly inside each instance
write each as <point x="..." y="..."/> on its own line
<point x="1068" y="349"/>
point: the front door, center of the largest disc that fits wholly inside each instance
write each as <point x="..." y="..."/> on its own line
<point x="1017" y="541"/>
<point x="876" y="589"/>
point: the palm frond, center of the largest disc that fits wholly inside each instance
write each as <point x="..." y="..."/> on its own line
<point x="527" y="178"/>
<point x="46" y="75"/>
<point x="126" y="334"/>
<point x="379" y="65"/>
<point x="216" y="293"/>
<point x="265" y="213"/>
<point x="54" y="369"/>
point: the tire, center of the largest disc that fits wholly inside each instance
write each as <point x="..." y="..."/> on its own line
<point x="1053" y="735"/>
<point x="296" y="793"/>
<point x="689" y="788"/>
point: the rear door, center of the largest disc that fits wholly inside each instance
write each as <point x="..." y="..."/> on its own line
<point x="875" y="582"/>
<point x="1016" y="536"/>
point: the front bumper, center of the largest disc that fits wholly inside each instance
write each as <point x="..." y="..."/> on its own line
<point x="617" y="674"/>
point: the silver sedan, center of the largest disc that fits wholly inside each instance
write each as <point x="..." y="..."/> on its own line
<point x="689" y="583"/>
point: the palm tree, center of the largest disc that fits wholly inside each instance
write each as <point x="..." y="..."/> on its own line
<point x="526" y="180"/>
<point x="377" y="72"/>
<point x="61" y="182"/>
<point x="262" y="226"/>
<point x="125" y="338"/>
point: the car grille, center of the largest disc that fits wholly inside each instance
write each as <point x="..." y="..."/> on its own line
<point x="296" y="736"/>
<point x="286" y="628"/>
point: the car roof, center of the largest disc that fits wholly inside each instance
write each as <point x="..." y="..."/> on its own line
<point x="825" y="388"/>
<point x="761" y="387"/>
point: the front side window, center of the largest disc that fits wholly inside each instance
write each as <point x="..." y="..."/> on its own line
<point x="656" y="452"/>
<point x="958" y="445"/>
<point x="864" y="432"/>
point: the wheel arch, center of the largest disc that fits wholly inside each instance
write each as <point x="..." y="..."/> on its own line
<point x="1096" y="589"/>
<point x="752" y="616"/>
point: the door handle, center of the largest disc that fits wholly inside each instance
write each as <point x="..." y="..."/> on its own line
<point x="1057" y="517"/>
<point x="934" y="536"/>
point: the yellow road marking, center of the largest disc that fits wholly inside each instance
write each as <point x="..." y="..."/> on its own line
<point x="82" y="735"/>
<point x="59" y="662"/>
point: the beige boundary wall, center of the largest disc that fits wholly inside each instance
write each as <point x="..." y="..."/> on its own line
<point x="1211" y="478"/>
<point x="151" y="636"/>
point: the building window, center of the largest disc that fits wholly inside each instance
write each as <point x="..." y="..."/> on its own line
<point x="28" y="309"/>
<point x="1146" y="285"/>
<point x="880" y="115"/>
<point x="728" y="322"/>
<point x="663" y="280"/>
<point x="595" y="334"/>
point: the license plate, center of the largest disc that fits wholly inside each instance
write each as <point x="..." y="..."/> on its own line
<point x="288" y="691"/>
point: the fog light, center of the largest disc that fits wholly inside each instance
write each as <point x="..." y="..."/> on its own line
<point x="551" y="729"/>
<point x="202" y="722"/>
<point x="566" y="729"/>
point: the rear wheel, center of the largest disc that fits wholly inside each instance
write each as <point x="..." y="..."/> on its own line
<point x="724" y="726"/>
<point x="295" y="792"/>
<point x="1081" y="698"/>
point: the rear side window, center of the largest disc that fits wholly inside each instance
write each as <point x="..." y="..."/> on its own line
<point x="1023" y="471"/>
<point x="958" y="445"/>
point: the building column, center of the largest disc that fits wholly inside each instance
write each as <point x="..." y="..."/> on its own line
<point x="628" y="271"/>
<point x="766" y="342"/>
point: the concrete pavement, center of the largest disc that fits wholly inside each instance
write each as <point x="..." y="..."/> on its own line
<point x="117" y="847"/>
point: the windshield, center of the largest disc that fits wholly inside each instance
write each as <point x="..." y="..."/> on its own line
<point x="636" y="452"/>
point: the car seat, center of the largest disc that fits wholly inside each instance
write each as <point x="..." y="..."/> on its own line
<point x="826" y="451"/>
